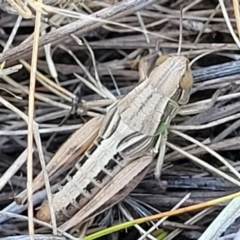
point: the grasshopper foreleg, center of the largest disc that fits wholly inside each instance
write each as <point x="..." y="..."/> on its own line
<point x="164" y="125"/>
<point x="160" y="146"/>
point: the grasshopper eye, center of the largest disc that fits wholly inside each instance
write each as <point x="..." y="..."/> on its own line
<point x="186" y="85"/>
<point x="187" y="80"/>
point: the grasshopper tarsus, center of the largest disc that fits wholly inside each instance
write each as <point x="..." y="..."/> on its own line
<point x="161" y="184"/>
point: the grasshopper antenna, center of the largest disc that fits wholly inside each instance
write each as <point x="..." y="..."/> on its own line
<point x="180" y="32"/>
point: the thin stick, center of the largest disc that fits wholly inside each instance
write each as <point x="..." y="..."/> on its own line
<point x="209" y="167"/>
<point x="207" y="125"/>
<point x="229" y="25"/>
<point x="23" y="10"/>
<point x="22" y="218"/>
<point x="13" y="169"/>
<point x="30" y="123"/>
<point x="237" y="14"/>
<point x="209" y="150"/>
<point x="86" y="24"/>
<point x="155" y="226"/>
<point x="13" y="33"/>
<point x="180" y="32"/>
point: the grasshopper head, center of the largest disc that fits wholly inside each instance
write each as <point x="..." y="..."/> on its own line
<point x="150" y="103"/>
<point x="186" y="79"/>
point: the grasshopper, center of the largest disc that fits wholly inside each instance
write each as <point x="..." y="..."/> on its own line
<point x="132" y="130"/>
